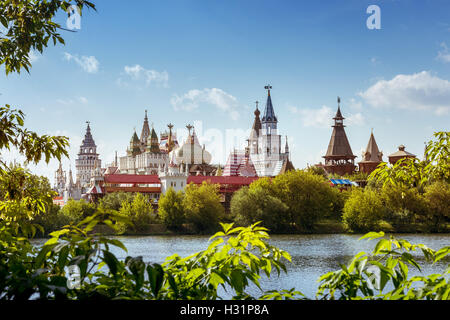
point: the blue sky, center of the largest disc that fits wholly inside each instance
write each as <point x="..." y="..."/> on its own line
<point x="207" y="62"/>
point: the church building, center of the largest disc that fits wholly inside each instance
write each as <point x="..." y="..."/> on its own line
<point x="264" y="143"/>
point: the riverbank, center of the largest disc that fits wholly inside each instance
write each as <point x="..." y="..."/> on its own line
<point x="325" y="226"/>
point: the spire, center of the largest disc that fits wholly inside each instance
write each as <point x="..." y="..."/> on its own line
<point x="339" y="145"/>
<point x="145" y="133"/>
<point x="372" y="152"/>
<point x="88" y="141"/>
<point x="286" y="147"/>
<point x="269" y="113"/>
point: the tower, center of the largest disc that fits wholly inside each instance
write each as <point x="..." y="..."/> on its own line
<point x="255" y="132"/>
<point x="264" y="143"/>
<point x="87" y="160"/>
<point x="60" y="180"/>
<point x="371" y="157"/>
<point x="145" y="133"/>
<point x="339" y="158"/>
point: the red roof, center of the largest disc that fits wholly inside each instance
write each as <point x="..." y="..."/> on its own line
<point x="236" y="180"/>
<point x="132" y="178"/>
<point x="154" y="179"/>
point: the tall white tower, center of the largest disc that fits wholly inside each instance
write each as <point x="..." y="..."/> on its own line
<point x="87" y="161"/>
<point x="265" y="142"/>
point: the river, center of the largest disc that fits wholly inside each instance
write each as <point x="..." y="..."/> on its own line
<point x="312" y="255"/>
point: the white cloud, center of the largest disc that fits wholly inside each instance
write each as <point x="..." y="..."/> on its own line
<point x="323" y="117"/>
<point x="139" y="73"/>
<point x="356" y="119"/>
<point x="215" y="97"/>
<point x="314" y="117"/>
<point x="418" y="91"/>
<point x="83" y="100"/>
<point x="88" y="64"/>
<point x="70" y="101"/>
<point x="443" y="55"/>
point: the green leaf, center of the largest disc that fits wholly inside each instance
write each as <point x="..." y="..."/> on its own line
<point x="372" y="235"/>
<point x="156" y="277"/>
<point x="111" y="261"/>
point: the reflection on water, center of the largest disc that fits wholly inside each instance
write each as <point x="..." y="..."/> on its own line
<point x="312" y="255"/>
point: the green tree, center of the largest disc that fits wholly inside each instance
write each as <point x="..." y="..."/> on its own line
<point x="77" y="210"/>
<point x="402" y="204"/>
<point x="437" y="200"/>
<point x="411" y="172"/>
<point x="308" y="196"/>
<point x="114" y="200"/>
<point x="363" y="210"/>
<point x="170" y="208"/>
<point x="29" y="26"/>
<point x="139" y="212"/>
<point x="250" y="205"/>
<point x="202" y="206"/>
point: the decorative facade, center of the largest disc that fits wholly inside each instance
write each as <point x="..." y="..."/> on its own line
<point x="145" y="154"/>
<point x="264" y="143"/>
<point x="339" y="158"/>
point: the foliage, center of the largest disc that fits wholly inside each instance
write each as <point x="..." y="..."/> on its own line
<point x="139" y="211"/>
<point x="363" y="210"/>
<point x="114" y="200"/>
<point x="317" y="170"/>
<point x="170" y="208"/>
<point x="29" y="25"/>
<point x="368" y="276"/>
<point x="437" y="202"/>
<point x="253" y="204"/>
<point x="202" y="206"/>
<point x="411" y="172"/>
<point x="402" y="204"/>
<point x="308" y="196"/>
<point x="76" y="210"/>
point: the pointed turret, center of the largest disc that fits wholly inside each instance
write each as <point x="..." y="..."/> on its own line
<point x="269" y="117"/>
<point x="88" y="145"/>
<point x="371" y="157"/>
<point x="145" y="133"/>
<point x="339" y="158"/>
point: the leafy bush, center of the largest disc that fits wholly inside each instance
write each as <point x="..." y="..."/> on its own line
<point x="202" y="206"/>
<point x="402" y="204"/>
<point x="367" y="275"/>
<point x="308" y="196"/>
<point x="114" y="200"/>
<point x="170" y="208"/>
<point x="76" y="210"/>
<point x="139" y="211"/>
<point x="250" y="205"/>
<point x="363" y="210"/>
<point x="437" y="200"/>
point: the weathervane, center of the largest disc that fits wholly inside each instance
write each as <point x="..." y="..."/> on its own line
<point x="268" y="87"/>
<point x="257" y="104"/>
